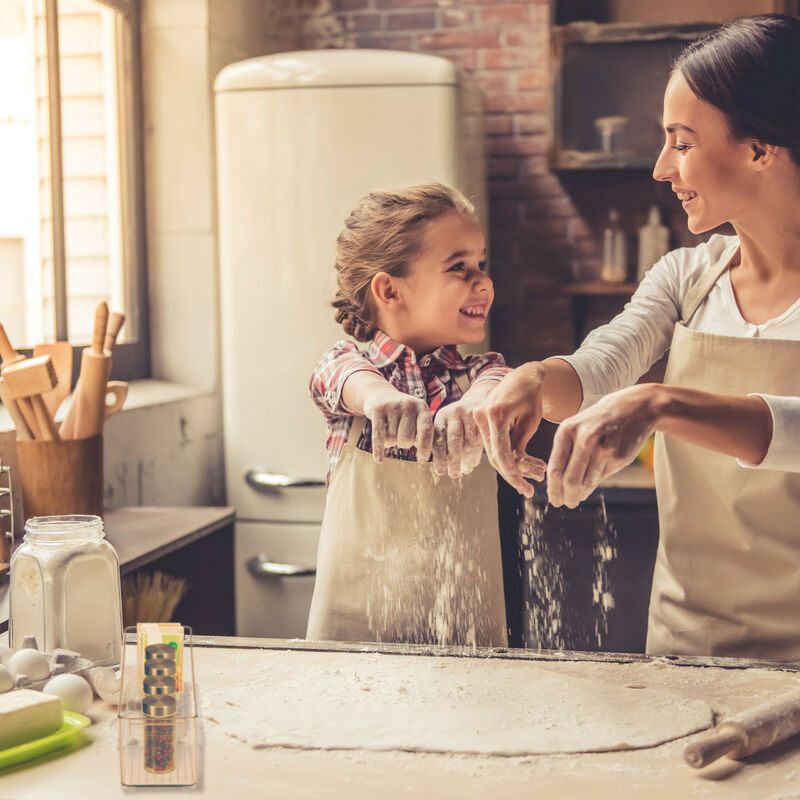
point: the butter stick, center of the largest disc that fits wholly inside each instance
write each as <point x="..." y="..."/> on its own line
<point x="26" y="715"/>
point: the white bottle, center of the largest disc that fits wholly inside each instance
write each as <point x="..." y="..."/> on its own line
<point x="615" y="253"/>
<point x="653" y="241"/>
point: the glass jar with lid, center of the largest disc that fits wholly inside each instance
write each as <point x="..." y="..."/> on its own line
<point x="65" y="588"/>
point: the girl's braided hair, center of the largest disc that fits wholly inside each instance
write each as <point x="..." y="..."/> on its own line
<point x="384" y="233"/>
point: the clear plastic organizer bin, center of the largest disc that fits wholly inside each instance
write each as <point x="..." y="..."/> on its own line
<point x="157" y="751"/>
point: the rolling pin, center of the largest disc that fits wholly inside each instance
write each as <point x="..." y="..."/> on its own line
<point x="747" y="733"/>
<point x="87" y="410"/>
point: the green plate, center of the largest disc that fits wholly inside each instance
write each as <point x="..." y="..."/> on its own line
<point x="63" y="736"/>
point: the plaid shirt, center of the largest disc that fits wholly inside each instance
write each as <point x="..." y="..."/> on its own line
<point x="431" y="377"/>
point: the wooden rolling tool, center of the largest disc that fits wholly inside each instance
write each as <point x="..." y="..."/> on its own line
<point x="26" y="382"/>
<point x="748" y="732"/>
<point x="10" y="356"/>
<point x="23" y="431"/>
<point x="87" y="411"/>
<point x="115" y="323"/>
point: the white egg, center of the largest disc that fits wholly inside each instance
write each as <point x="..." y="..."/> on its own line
<point x="6" y="679"/>
<point x="73" y="691"/>
<point x="31" y="663"/>
<point x="106" y="682"/>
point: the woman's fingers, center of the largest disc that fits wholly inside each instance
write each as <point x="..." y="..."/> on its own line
<point x="559" y="459"/>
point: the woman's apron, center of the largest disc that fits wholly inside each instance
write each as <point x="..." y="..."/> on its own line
<point x="407" y="556"/>
<point x="727" y="574"/>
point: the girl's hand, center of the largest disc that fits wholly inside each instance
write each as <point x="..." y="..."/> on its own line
<point x="457" y="443"/>
<point x="507" y="419"/>
<point x="398" y="420"/>
<point x="598" y="442"/>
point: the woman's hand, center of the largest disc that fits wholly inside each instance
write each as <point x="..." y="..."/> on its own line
<point x="598" y="442"/>
<point x="398" y="420"/>
<point x="507" y="420"/>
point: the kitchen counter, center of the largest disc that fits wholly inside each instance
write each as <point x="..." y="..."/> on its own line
<point x="229" y="768"/>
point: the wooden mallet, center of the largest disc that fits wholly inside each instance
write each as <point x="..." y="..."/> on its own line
<point x="26" y="382"/>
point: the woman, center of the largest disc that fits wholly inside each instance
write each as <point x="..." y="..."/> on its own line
<point x="727" y="418"/>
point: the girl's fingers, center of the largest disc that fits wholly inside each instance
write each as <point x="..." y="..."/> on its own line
<point x="378" y="436"/>
<point x="424" y="441"/>
<point x="407" y="428"/>
<point x="455" y="445"/>
<point x="439" y="446"/>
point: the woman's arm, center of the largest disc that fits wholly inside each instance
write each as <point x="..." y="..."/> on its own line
<point x="600" y="440"/>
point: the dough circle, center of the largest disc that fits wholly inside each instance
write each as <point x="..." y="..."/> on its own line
<point x="503" y="707"/>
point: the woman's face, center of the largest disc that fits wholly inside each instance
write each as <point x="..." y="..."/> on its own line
<point x="710" y="171"/>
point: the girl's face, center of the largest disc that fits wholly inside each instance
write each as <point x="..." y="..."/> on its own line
<point x="709" y="170"/>
<point x="446" y="295"/>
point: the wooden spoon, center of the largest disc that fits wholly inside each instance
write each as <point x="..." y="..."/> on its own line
<point x="61" y="355"/>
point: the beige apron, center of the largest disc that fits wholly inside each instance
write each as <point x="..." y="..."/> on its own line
<point x="727" y="574"/>
<point x="406" y="556"/>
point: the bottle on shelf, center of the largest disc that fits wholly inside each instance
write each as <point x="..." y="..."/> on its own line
<point x="615" y="255"/>
<point x="653" y="242"/>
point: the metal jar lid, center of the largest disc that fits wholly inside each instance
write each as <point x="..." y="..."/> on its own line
<point x="163" y="705"/>
<point x="159" y="651"/>
<point x="159" y="667"/>
<point x="162" y="685"/>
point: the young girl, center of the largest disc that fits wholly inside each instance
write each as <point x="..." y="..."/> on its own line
<point x="410" y="549"/>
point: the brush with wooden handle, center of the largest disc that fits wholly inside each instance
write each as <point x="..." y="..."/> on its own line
<point x="747" y="733"/>
<point x="26" y="382"/>
<point x="87" y="411"/>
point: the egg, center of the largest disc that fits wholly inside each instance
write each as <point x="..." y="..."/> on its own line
<point x="106" y="682"/>
<point x="73" y="691"/>
<point x="30" y="663"/>
<point x="6" y="679"/>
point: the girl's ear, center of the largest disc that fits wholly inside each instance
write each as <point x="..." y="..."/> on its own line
<point x="384" y="291"/>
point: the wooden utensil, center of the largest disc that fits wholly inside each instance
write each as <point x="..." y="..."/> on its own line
<point x="87" y="411"/>
<point x="23" y="431"/>
<point x="115" y="323"/>
<point x="116" y="392"/>
<point x="25" y="382"/>
<point x="748" y="732"/>
<point x="10" y="356"/>
<point x="61" y="356"/>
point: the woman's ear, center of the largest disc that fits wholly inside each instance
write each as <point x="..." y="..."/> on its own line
<point x="384" y="291"/>
<point x="764" y="155"/>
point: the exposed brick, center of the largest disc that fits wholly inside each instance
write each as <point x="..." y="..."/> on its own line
<point x="516" y="101"/>
<point x="494" y="82"/>
<point x="411" y="20"/>
<point x="504" y="14"/>
<point x="350" y="5"/>
<point x="530" y="123"/>
<point x="387" y="41"/>
<point x="530" y="79"/>
<point x="393" y="5"/>
<point x="363" y="23"/>
<point x="524" y="37"/>
<point x="503" y="165"/>
<point x="457" y="18"/>
<point x="497" y="124"/>
<point x="518" y="145"/>
<point x="458" y="39"/>
<point x="507" y="58"/>
<point x="535" y="165"/>
<point x="506" y="211"/>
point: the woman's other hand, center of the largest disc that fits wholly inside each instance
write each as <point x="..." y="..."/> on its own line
<point x="598" y="442"/>
<point x="398" y="420"/>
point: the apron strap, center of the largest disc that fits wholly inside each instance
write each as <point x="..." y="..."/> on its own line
<point x="359" y="423"/>
<point x="695" y="296"/>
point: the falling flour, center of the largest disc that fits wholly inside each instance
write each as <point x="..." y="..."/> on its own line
<point x="502" y="707"/>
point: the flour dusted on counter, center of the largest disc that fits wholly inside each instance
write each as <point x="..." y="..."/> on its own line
<point x="504" y="707"/>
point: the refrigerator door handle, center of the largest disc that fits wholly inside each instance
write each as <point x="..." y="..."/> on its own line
<point x="270" y="482"/>
<point x="262" y="567"/>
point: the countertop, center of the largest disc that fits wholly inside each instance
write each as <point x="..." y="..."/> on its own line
<point x="229" y="768"/>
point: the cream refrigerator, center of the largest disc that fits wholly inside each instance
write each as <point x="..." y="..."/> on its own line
<point x="300" y="138"/>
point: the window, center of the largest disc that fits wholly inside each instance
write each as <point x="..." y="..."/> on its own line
<point x="71" y="231"/>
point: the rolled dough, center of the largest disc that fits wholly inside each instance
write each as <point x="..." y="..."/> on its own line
<point x="331" y="701"/>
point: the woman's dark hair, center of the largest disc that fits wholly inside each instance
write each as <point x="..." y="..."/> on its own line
<point x="750" y="70"/>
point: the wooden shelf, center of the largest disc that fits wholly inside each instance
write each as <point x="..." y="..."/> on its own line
<point x="597" y="288"/>
<point x="579" y="159"/>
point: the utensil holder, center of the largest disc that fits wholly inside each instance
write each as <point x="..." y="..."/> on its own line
<point x="61" y="477"/>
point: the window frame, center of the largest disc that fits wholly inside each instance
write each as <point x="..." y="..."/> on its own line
<point x="131" y="358"/>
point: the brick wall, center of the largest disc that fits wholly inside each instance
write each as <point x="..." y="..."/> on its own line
<point x="545" y="228"/>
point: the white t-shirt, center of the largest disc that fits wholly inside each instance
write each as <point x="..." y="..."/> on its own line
<point x="616" y="355"/>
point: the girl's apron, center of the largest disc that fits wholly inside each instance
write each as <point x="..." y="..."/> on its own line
<point x="727" y="574"/>
<point x="406" y="556"/>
